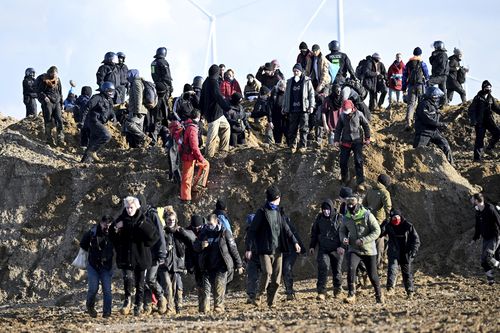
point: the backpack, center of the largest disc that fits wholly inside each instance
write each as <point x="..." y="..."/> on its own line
<point x="358" y="87"/>
<point x="225" y="222"/>
<point x="149" y="95"/>
<point x="461" y="75"/>
<point x="361" y="69"/>
<point x="416" y="74"/>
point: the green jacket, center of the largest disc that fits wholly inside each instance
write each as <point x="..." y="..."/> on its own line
<point x="364" y="226"/>
<point x="378" y="201"/>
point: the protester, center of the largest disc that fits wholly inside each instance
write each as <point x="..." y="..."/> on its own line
<point x="230" y="85"/>
<point x="124" y="85"/>
<point x="304" y="56"/>
<point x="136" y="111"/>
<point x="290" y="257"/>
<point x="395" y="81"/>
<point x="374" y="81"/>
<point x="456" y="76"/>
<point x="266" y="76"/>
<point x="252" y="88"/>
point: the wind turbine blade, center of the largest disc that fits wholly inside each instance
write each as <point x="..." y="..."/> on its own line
<point x="237" y="8"/>
<point x="313" y="17"/>
<point x="213" y="28"/>
<point x="208" y="53"/>
<point x="203" y="10"/>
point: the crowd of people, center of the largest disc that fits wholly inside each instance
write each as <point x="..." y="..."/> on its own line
<point x="323" y="103"/>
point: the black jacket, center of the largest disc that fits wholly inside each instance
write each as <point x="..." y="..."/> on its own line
<point x="159" y="249"/>
<point x="404" y="241"/>
<point x="80" y="107"/>
<point x="237" y="119"/>
<point x="99" y="247"/>
<point x="29" y="87"/>
<point x="325" y="231"/>
<point x="221" y="243"/>
<point x="427" y="117"/>
<point x="277" y="101"/>
<point x="45" y="88"/>
<point x="482" y="108"/>
<point x="160" y="72"/>
<point x="453" y="65"/>
<point x="439" y="62"/>
<point x="260" y="239"/>
<point x="176" y="243"/>
<point x="352" y="129"/>
<point x="212" y="103"/>
<point x="191" y="256"/>
<point x="268" y="81"/>
<point x="371" y="77"/>
<point x="344" y="63"/>
<point x="133" y="241"/>
<point x="99" y="109"/>
<point x="123" y="71"/>
<point x="487" y="223"/>
<point x="262" y="108"/>
<point x="108" y="73"/>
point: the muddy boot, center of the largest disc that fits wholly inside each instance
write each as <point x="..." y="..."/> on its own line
<point x="91" y="311"/>
<point x="489" y="151"/>
<point x="48" y="134"/>
<point x="350" y="299"/>
<point x="410" y="294"/>
<point x="379" y="299"/>
<point x="138" y="310"/>
<point x="291" y="297"/>
<point x="86" y="159"/>
<point x="162" y="304"/>
<point x="219" y="309"/>
<point x="180" y="302"/>
<point x="321" y="296"/>
<point x="148" y="309"/>
<point x="337" y="292"/>
<point x="94" y="156"/>
<point x="60" y="138"/>
<point x="390" y="291"/>
<point x="127" y="306"/>
<point x="490" y="277"/>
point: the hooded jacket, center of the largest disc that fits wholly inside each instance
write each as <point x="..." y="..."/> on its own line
<point x="482" y="108"/>
<point x="439" y="63"/>
<point x="135" y="102"/>
<point x="378" y="201"/>
<point x="426" y="117"/>
<point x="404" y="241"/>
<point x="308" y="101"/>
<point x="348" y="128"/>
<point x="325" y="230"/>
<point x="190" y="150"/>
<point x="99" y="247"/>
<point x="360" y="225"/>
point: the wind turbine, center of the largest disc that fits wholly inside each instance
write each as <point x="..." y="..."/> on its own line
<point x="211" y="55"/>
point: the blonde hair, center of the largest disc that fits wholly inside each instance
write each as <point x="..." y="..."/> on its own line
<point x="128" y="201"/>
<point x="169" y="211"/>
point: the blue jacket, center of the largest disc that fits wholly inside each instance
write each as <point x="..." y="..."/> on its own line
<point x="408" y="68"/>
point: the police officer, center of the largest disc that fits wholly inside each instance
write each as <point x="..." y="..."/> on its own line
<point x="99" y="111"/>
<point x="427" y="124"/>
<point x="29" y="92"/>
<point x="439" y="71"/>
<point x="341" y="60"/>
<point x="49" y="93"/>
<point x="122" y="89"/>
<point x="108" y="72"/>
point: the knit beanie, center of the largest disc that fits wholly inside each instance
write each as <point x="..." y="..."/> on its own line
<point x="220" y="204"/>
<point x="298" y="67"/>
<point x="214" y="69"/>
<point x="303" y="46"/>
<point x="264" y="90"/>
<point x="384" y="180"/>
<point x="197" y="221"/>
<point x="187" y="87"/>
<point x="315" y="47"/>
<point x="272" y="193"/>
<point x="345" y="192"/>
<point x="485" y="84"/>
<point x="417" y="51"/>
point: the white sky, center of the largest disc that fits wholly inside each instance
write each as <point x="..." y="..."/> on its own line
<point x="75" y="35"/>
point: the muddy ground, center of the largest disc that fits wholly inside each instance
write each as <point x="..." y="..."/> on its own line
<point x="48" y="200"/>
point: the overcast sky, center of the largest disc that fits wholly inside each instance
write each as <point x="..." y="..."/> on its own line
<point x="75" y="35"/>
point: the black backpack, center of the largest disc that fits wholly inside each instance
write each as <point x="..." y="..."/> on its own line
<point x="461" y="75"/>
<point x="361" y="69"/>
<point x="416" y="73"/>
<point x="357" y="86"/>
<point x="149" y="95"/>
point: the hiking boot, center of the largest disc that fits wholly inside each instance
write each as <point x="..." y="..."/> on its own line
<point x="219" y="309"/>
<point x="91" y="311"/>
<point x="148" y="309"/>
<point x="138" y="310"/>
<point x="321" y="297"/>
<point x="180" y="302"/>
<point x="106" y="315"/>
<point x="390" y="291"/>
<point x="291" y="297"/>
<point x="250" y="299"/>
<point x="410" y="294"/>
<point x="293" y="150"/>
<point x="490" y="152"/>
<point x="127" y="306"/>
<point x="379" y="299"/>
<point x="350" y="299"/>
<point x="86" y="159"/>
<point x="337" y="292"/>
<point x="162" y="304"/>
<point x="94" y="156"/>
<point x="302" y="150"/>
<point x="60" y="139"/>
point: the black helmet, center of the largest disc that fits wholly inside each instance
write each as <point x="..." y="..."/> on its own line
<point x="161" y="52"/>
<point x="108" y="88"/>
<point x="110" y="57"/>
<point x="438" y="45"/>
<point x="197" y="82"/>
<point x="29" y="72"/>
<point x="334" y="45"/>
<point x="434" y="92"/>
<point x="121" y="55"/>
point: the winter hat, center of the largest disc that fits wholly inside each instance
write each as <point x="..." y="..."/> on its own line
<point x="395" y="212"/>
<point x="417" y="51"/>
<point x="485" y="84"/>
<point x="268" y="66"/>
<point x="345" y="192"/>
<point x="86" y="90"/>
<point x="347" y="104"/>
<point x="303" y="46"/>
<point x="220" y="204"/>
<point x="236" y="98"/>
<point x="376" y="56"/>
<point x="264" y="90"/>
<point x="315" y="47"/>
<point x="214" y="69"/>
<point x="298" y="66"/>
<point x="197" y="221"/>
<point x="457" y="51"/>
<point x="272" y="193"/>
<point x="52" y="69"/>
<point x="250" y="76"/>
<point x="187" y="87"/>
<point x="384" y="180"/>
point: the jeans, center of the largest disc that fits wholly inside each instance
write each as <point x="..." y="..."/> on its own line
<point x="345" y="152"/>
<point x="213" y="280"/>
<point x="353" y="260"/>
<point x="481" y="133"/>
<point x="325" y="260"/>
<point x="288" y="263"/>
<point x="491" y="253"/>
<point x="172" y="287"/>
<point x="414" y="92"/>
<point x="406" y="271"/>
<point x="271" y="265"/>
<point x="152" y="284"/>
<point x="103" y="276"/>
<point x="139" y="277"/>
<point x="394" y="92"/>
<point x="299" y="122"/>
<point x="253" y="274"/>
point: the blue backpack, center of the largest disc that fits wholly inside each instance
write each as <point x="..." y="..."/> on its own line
<point x="225" y="222"/>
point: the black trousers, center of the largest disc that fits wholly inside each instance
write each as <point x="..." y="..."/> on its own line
<point x="452" y="86"/>
<point x="353" y="260"/>
<point x="298" y="124"/>
<point x="31" y="107"/>
<point x="253" y="276"/>
<point x="52" y="111"/>
<point x="99" y="136"/>
<point x="481" y="133"/>
<point x="406" y="271"/>
<point x="289" y="259"/>
<point x="345" y="152"/>
<point x="139" y="277"/>
<point x="441" y="82"/>
<point x="325" y="261"/>
<point x="423" y="140"/>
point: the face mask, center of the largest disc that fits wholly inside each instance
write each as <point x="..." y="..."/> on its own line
<point x="351" y="209"/>
<point x="396" y="220"/>
<point x="487" y="90"/>
<point x="326" y="212"/>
